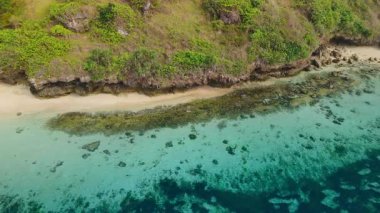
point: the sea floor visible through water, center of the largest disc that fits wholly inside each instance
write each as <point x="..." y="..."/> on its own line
<point x="323" y="157"/>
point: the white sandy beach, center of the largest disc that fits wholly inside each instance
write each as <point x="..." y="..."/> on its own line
<point x="14" y="99"/>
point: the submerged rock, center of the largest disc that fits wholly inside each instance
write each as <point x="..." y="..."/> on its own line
<point x="19" y="130"/>
<point x="85" y="156"/>
<point x="169" y="144"/>
<point x="91" y="147"/>
<point x="54" y="169"/>
<point x="122" y="164"/>
<point x="231" y="150"/>
<point x="221" y="125"/>
<point x="192" y="136"/>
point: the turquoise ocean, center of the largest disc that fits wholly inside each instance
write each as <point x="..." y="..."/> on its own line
<point x="323" y="157"/>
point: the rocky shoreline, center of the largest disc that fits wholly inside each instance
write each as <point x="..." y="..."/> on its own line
<point x="259" y="71"/>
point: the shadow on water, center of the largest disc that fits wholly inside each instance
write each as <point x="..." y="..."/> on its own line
<point x="354" y="188"/>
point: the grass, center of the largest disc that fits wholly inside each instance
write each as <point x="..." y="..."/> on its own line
<point x="37" y="9"/>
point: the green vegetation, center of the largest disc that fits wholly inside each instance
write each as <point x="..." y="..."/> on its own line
<point x="272" y="46"/>
<point x="60" y="31"/>
<point x="114" y="23"/>
<point x="248" y="10"/>
<point x="102" y="63"/>
<point x="191" y="60"/>
<point x="107" y="14"/>
<point x="107" y="39"/>
<point x="99" y="63"/>
<point x="28" y="49"/>
<point x="331" y="16"/>
<point x="143" y="61"/>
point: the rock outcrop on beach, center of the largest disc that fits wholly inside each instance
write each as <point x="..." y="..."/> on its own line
<point x="323" y="56"/>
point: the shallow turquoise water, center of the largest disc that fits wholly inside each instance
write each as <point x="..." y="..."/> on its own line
<point x="286" y="161"/>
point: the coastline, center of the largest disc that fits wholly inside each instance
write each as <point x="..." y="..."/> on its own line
<point x="18" y="99"/>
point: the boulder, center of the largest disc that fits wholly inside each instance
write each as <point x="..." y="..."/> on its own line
<point x="336" y="53"/>
<point x="230" y="17"/>
<point x="316" y="62"/>
<point x="355" y="57"/>
<point x="336" y="60"/>
<point x="78" y="21"/>
<point x="122" y="32"/>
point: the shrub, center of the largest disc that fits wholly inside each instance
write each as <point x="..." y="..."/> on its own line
<point x="60" y="31"/>
<point x="331" y="16"/>
<point x="99" y="63"/>
<point x="273" y="47"/>
<point x="106" y="34"/>
<point x="190" y="60"/>
<point x="114" y="17"/>
<point x="29" y="49"/>
<point x="143" y="61"/>
<point x="247" y="9"/>
<point x="324" y="16"/>
<point x="107" y="14"/>
<point x="257" y="3"/>
<point x="126" y="17"/>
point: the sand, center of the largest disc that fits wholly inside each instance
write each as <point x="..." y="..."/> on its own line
<point x="14" y="99"/>
<point x="364" y="52"/>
